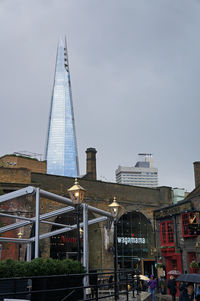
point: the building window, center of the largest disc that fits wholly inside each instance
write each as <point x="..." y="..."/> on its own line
<point x="187" y="219"/>
<point x="192" y="256"/>
<point x="167" y="233"/>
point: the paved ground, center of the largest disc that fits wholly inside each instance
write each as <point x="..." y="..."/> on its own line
<point x="160" y="297"/>
<point x="143" y="296"/>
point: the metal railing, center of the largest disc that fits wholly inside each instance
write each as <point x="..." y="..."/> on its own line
<point x="98" y="286"/>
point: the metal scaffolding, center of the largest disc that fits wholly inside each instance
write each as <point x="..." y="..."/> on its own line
<point x="41" y="218"/>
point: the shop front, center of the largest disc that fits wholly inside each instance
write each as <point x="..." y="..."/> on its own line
<point x="135" y="242"/>
<point x="64" y="245"/>
<point x="172" y="260"/>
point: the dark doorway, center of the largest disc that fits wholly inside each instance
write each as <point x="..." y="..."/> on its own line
<point x="64" y="245"/>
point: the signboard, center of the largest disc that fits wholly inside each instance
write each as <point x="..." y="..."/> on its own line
<point x="131" y="240"/>
<point x="176" y="209"/>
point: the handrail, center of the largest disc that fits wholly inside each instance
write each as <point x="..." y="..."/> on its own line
<point x="99" y="287"/>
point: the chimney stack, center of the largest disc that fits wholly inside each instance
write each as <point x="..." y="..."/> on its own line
<point x="197" y="173"/>
<point x="91" y="163"/>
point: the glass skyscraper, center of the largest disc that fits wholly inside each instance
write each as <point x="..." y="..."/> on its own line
<point x="61" y="147"/>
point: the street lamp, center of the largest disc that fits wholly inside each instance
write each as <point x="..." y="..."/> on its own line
<point x="76" y="193"/>
<point x="19" y="234"/>
<point x="115" y="209"/>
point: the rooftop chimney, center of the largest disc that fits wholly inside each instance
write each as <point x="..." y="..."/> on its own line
<point x="91" y="163"/>
<point x="197" y="173"/>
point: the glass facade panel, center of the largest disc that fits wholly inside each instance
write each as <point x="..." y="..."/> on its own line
<point x="134" y="239"/>
<point x="61" y="148"/>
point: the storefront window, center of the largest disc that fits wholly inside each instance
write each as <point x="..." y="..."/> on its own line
<point x="188" y="218"/>
<point x="167" y="233"/>
<point x="134" y="239"/>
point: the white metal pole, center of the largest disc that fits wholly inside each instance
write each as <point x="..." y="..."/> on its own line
<point x="28" y="250"/>
<point x="85" y="236"/>
<point x="37" y="222"/>
<point x="85" y="247"/>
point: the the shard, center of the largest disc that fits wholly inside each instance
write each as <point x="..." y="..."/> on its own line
<point x="61" y="146"/>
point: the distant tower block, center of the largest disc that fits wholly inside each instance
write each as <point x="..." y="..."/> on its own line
<point x="61" y="147"/>
<point x="143" y="174"/>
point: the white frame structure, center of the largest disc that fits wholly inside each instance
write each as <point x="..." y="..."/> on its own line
<point x="41" y="218"/>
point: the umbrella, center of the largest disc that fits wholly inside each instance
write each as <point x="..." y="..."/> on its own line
<point x="195" y="278"/>
<point x="174" y="273"/>
<point x="142" y="277"/>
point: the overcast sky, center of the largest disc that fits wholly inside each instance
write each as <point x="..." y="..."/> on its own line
<point x="135" y="70"/>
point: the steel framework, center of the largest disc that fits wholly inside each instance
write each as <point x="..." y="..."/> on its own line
<point x="41" y="218"/>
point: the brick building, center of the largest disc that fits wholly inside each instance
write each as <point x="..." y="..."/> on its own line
<point x="176" y="228"/>
<point x="135" y="228"/>
<point x="20" y="161"/>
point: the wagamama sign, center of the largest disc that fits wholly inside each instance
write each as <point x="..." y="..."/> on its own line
<point x="130" y="240"/>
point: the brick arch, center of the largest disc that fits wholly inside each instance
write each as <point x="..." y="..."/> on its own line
<point x="64" y="245"/>
<point x="143" y="213"/>
<point x="147" y="211"/>
<point x="68" y="241"/>
<point x="149" y="216"/>
<point x="135" y="239"/>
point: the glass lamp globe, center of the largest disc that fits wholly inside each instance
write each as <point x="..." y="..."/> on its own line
<point x="114" y="208"/>
<point x="76" y="193"/>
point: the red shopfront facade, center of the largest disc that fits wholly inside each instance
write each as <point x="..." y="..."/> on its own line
<point x="168" y="250"/>
<point x="173" y="259"/>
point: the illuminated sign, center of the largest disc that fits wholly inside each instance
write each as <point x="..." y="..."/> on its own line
<point x="64" y="239"/>
<point x="130" y="240"/>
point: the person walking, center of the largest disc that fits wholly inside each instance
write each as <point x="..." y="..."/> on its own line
<point x="172" y="287"/>
<point x="152" y="286"/>
<point x="188" y="293"/>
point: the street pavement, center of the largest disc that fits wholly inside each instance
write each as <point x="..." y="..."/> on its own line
<point x="143" y="296"/>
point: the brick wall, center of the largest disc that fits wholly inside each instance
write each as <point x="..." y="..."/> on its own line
<point x="98" y="194"/>
<point x="14" y="175"/>
<point x="13" y="161"/>
<point x="105" y="191"/>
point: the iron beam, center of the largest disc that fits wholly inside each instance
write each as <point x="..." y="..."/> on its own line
<point x="16" y="194"/>
<point x="66" y="229"/>
<point x="32" y="220"/>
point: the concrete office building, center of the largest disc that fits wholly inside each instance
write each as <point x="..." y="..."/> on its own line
<point x="142" y="174"/>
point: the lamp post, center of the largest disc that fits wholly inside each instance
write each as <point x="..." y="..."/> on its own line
<point x="19" y="234"/>
<point x="76" y="193"/>
<point x="114" y="209"/>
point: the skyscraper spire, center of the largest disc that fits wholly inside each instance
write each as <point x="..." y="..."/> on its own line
<point x="61" y="147"/>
